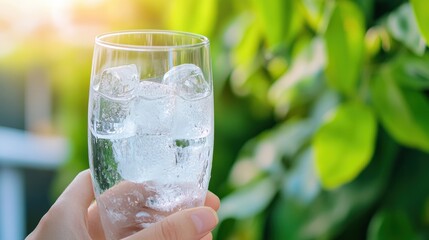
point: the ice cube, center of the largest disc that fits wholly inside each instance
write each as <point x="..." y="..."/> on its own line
<point x="110" y="117"/>
<point x="112" y="98"/>
<point x="153" y="109"/>
<point x="188" y="80"/>
<point x="194" y="106"/>
<point x="119" y="82"/>
<point x="192" y="156"/>
<point x="192" y="119"/>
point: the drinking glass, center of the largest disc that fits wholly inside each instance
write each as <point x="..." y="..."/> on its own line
<point x="150" y="126"/>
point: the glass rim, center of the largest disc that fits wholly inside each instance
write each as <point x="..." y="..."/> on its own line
<point x="100" y="40"/>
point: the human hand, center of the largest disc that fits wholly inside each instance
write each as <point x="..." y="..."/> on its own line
<point x="74" y="217"/>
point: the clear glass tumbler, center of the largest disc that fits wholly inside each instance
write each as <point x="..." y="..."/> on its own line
<point x="150" y="126"/>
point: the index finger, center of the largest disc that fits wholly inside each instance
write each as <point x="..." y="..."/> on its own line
<point x="78" y="194"/>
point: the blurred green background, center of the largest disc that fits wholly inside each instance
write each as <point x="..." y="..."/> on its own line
<point x="321" y="107"/>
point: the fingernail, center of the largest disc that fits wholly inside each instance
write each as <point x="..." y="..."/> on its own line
<point x="205" y="219"/>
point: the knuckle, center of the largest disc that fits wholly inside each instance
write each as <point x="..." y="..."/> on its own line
<point x="168" y="230"/>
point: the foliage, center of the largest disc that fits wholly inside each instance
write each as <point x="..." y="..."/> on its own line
<point x="347" y="84"/>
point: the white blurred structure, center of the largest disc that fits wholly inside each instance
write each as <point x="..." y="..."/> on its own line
<point x="20" y="149"/>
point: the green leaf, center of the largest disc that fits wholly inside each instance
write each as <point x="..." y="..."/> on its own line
<point x="387" y="225"/>
<point x="344" y="39"/>
<point x="411" y="71"/>
<point x="422" y="17"/>
<point x="367" y="7"/>
<point x="248" y="201"/>
<point x="246" y="49"/>
<point x="344" y="144"/>
<point x="313" y="12"/>
<point x="403" y="27"/>
<point x="280" y="19"/>
<point x="403" y="112"/>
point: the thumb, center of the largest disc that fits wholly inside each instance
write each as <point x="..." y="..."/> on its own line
<point x="194" y="223"/>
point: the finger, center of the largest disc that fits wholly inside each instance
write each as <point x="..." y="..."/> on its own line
<point x="190" y="224"/>
<point x="79" y="194"/>
<point x="94" y="223"/>
<point x="212" y="201"/>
